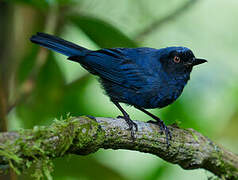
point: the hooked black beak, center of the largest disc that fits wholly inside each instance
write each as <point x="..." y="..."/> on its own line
<point x="197" y="61"/>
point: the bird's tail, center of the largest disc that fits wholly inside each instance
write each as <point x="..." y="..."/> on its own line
<point x="59" y="45"/>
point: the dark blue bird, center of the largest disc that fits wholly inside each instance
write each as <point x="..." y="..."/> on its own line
<point x="145" y="78"/>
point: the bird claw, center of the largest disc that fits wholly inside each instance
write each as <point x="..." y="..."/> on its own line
<point x="163" y="128"/>
<point x="131" y="124"/>
<point x="120" y="117"/>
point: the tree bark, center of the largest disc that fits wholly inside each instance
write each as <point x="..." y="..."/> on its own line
<point x="85" y="135"/>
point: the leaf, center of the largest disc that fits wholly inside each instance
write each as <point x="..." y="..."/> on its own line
<point x="180" y="112"/>
<point x="26" y="64"/>
<point x="73" y="100"/>
<point x="80" y="167"/>
<point x="102" y="33"/>
<point x="44" y="101"/>
<point x="158" y="172"/>
<point x="43" y="4"/>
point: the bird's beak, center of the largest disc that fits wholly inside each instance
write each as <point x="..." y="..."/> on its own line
<point x="197" y="61"/>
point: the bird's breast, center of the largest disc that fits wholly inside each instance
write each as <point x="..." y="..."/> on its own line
<point x="167" y="93"/>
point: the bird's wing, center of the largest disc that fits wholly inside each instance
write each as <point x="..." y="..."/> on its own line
<point x="113" y="65"/>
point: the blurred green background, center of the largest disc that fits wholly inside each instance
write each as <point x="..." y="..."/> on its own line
<point x="37" y="86"/>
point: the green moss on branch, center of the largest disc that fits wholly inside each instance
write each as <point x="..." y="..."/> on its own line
<point x="82" y="135"/>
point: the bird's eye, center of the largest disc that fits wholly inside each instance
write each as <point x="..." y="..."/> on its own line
<point x="176" y="59"/>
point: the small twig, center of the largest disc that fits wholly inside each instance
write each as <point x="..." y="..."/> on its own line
<point x="3" y="108"/>
<point x="158" y="23"/>
<point x="82" y="135"/>
<point x="51" y="25"/>
<point x="28" y="85"/>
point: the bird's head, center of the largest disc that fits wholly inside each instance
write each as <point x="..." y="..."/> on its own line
<point x="178" y="60"/>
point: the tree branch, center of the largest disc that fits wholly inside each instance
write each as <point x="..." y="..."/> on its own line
<point x="84" y="135"/>
<point x="158" y="23"/>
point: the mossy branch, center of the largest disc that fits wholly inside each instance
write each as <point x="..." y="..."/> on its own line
<point x="83" y="135"/>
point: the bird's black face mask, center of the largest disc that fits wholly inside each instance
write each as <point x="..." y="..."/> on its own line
<point x="180" y="62"/>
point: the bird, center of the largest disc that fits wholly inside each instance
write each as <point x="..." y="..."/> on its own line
<point x="143" y="77"/>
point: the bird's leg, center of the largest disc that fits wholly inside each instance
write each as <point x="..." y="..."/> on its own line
<point x="127" y="119"/>
<point x="159" y="122"/>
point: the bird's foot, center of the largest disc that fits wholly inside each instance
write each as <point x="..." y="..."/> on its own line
<point x="91" y="117"/>
<point x="131" y="124"/>
<point x="163" y="128"/>
<point x="120" y="117"/>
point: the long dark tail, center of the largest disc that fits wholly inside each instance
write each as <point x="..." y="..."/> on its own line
<point x="59" y="45"/>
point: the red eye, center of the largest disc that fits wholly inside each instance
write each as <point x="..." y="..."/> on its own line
<point x="176" y="59"/>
